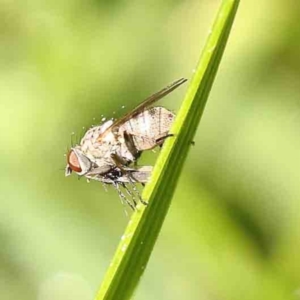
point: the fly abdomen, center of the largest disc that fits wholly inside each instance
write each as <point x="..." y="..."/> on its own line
<point x="148" y="127"/>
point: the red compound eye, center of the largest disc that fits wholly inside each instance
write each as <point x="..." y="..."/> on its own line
<point x="73" y="162"/>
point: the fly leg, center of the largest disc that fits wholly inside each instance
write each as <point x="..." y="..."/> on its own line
<point x="136" y="190"/>
<point x="129" y="142"/>
<point x="132" y="180"/>
<point x="101" y="170"/>
<point x="131" y="146"/>
<point x="161" y="140"/>
<point x="128" y="191"/>
<point x="121" y="164"/>
<point x="123" y="197"/>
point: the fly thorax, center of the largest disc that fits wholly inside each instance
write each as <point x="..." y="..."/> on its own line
<point x="93" y="133"/>
<point x="91" y="146"/>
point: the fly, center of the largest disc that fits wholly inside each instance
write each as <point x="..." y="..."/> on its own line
<point x="108" y="153"/>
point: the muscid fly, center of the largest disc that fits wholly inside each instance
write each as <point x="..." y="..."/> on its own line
<point x="108" y="153"/>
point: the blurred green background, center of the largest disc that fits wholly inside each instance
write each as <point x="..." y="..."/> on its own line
<point x="232" y="231"/>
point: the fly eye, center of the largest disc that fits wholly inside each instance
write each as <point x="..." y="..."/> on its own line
<point x="73" y="162"/>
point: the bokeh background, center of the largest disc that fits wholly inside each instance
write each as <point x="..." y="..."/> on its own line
<point x="232" y="231"/>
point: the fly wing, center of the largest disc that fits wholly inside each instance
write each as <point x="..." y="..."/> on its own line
<point x="147" y="102"/>
<point x="140" y="175"/>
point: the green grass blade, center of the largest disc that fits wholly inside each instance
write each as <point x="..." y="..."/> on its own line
<point x="141" y="233"/>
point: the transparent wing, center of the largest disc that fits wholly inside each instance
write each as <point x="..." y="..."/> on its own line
<point x="147" y="102"/>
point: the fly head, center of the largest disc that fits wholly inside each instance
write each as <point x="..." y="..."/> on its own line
<point x="77" y="162"/>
